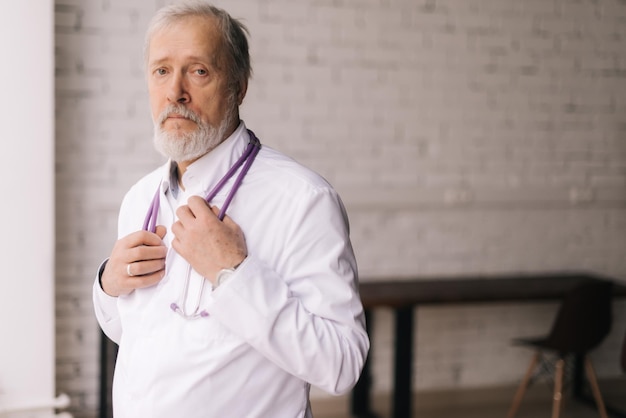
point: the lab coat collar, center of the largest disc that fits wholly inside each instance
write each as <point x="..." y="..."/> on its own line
<point x="205" y="172"/>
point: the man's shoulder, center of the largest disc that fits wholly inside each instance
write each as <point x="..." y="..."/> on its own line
<point x="281" y="168"/>
<point x="146" y="186"/>
<point x="152" y="178"/>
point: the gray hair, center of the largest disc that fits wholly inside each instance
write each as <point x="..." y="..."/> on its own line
<point x="234" y="52"/>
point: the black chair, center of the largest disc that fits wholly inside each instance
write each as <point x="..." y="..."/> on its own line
<point x="581" y="324"/>
<point x="623" y="357"/>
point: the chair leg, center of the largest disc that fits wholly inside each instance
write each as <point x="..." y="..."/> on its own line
<point x="558" y="388"/>
<point x="517" y="400"/>
<point x="591" y="375"/>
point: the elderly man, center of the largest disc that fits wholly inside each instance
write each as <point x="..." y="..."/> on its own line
<point x="233" y="286"/>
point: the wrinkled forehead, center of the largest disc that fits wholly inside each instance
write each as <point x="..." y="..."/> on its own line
<point x="196" y="35"/>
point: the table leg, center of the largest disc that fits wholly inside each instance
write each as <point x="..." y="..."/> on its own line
<point x="403" y="392"/>
<point x="108" y="356"/>
<point x="360" y="403"/>
<point x="577" y="388"/>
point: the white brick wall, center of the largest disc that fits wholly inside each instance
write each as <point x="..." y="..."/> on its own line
<point x="465" y="137"/>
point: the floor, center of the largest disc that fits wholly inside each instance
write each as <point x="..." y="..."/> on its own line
<point x="480" y="403"/>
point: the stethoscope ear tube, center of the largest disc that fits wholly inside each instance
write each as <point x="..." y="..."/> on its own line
<point x="248" y="156"/>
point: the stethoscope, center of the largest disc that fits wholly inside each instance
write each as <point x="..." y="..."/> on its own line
<point x="246" y="160"/>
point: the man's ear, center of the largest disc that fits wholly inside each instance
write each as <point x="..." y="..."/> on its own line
<point x="242" y="92"/>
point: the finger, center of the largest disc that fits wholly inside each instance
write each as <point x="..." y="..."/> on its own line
<point x="185" y="214"/>
<point x="138" y="238"/>
<point x="177" y="228"/>
<point x="147" y="280"/>
<point x="143" y="252"/>
<point x="198" y="206"/>
<point x="147" y="267"/>
<point x="117" y="279"/>
<point x="161" y="230"/>
<point x="230" y="223"/>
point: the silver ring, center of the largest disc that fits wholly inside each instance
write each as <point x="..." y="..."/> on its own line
<point x="128" y="270"/>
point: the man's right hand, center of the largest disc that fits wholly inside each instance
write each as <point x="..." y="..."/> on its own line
<point x="142" y="254"/>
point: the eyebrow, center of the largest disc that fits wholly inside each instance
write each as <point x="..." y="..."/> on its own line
<point x="212" y="60"/>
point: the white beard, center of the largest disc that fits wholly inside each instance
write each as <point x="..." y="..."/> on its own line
<point x="188" y="146"/>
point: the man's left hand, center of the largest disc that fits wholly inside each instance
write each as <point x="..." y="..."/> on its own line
<point x="207" y="243"/>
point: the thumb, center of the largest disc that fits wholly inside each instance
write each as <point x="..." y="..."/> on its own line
<point x="161" y="231"/>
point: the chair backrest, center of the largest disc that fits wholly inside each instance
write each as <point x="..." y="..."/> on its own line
<point x="584" y="318"/>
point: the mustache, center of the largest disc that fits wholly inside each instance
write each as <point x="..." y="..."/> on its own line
<point x="178" y="109"/>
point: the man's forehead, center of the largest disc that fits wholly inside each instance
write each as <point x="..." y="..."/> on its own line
<point x="191" y="39"/>
<point x="190" y="26"/>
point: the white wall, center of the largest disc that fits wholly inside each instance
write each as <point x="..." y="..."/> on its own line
<point x="27" y="212"/>
<point x="465" y="136"/>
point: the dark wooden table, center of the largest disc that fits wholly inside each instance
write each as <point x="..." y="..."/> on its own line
<point x="405" y="295"/>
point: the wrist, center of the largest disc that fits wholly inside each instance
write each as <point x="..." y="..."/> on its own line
<point x="224" y="274"/>
<point x="236" y="266"/>
<point x="101" y="272"/>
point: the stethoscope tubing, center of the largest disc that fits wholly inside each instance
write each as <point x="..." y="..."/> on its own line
<point x="149" y="224"/>
<point x="248" y="156"/>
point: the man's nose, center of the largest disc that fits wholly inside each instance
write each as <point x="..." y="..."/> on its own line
<point x="177" y="92"/>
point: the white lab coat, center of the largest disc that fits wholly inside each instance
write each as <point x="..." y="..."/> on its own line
<point x="290" y="316"/>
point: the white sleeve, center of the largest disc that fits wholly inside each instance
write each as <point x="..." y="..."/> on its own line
<point x="105" y="308"/>
<point x="309" y="321"/>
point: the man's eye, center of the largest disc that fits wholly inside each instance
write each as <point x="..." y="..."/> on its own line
<point x="160" y="71"/>
<point x="201" y="71"/>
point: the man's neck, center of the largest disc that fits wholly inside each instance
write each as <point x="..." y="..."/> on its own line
<point x="183" y="165"/>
